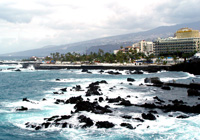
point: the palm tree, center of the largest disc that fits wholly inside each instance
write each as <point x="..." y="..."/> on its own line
<point x="174" y="58"/>
<point x="101" y="52"/>
<point x="162" y="57"/>
<point x="158" y="60"/>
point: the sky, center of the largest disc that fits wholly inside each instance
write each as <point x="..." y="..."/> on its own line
<point x="31" y="24"/>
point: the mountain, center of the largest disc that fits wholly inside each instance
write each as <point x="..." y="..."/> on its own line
<point x="108" y="44"/>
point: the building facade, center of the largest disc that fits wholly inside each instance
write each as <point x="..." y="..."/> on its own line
<point x="127" y="49"/>
<point x="144" y="46"/>
<point x="185" y="41"/>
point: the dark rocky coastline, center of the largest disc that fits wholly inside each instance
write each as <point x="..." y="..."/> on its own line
<point x="148" y="68"/>
<point x="190" y="67"/>
<point x="150" y="108"/>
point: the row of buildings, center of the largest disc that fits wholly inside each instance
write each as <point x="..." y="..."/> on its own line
<point x="185" y="40"/>
<point x="142" y="46"/>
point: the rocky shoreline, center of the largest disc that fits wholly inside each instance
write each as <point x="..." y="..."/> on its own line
<point x="148" y="68"/>
<point x="191" y="67"/>
<point x="151" y="108"/>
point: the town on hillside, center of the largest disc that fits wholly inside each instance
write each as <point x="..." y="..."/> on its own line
<point x="183" y="47"/>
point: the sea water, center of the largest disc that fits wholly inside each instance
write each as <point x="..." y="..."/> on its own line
<point x="36" y="85"/>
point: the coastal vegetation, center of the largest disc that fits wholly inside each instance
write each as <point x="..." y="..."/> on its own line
<point x="101" y="56"/>
<point x="120" y="57"/>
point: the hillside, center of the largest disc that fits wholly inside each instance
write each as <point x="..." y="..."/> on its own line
<point x="108" y="44"/>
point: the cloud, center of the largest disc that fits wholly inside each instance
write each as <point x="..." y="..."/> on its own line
<point x="20" y="13"/>
<point x="179" y="11"/>
<point x="35" y="23"/>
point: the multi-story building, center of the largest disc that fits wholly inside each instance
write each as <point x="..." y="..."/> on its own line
<point x="185" y="41"/>
<point x="144" y="46"/>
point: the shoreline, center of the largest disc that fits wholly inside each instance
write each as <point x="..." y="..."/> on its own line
<point x="151" y="68"/>
<point x="191" y="67"/>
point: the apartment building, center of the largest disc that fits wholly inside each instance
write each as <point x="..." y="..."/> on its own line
<point x="144" y="46"/>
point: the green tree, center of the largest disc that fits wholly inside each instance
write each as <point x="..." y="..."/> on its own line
<point x="174" y="58"/>
<point x="158" y="60"/>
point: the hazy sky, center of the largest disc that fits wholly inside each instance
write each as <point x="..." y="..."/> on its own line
<point x="29" y="24"/>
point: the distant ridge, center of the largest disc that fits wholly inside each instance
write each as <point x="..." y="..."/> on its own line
<point x="108" y="44"/>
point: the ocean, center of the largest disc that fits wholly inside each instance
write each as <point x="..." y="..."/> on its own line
<point x="35" y="90"/>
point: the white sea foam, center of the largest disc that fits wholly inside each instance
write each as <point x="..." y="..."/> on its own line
<point x="4" y="111"/>
<point x="68" y="80"/>
<point x="168" y="127"/>
<point x="6" y="70"/>
<point x="171" y="79"/>
<point x="190" y="75"/>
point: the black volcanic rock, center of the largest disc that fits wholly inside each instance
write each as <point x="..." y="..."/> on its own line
<point x="22" y="108"/>
<point x="64" y="125"/>
<point x="78" y="88"/>
<point x="126" y="117"/>
<point x="104" y="124"/>
<point x="101" y="99"/>
<point x="84" y="70"/>
<point x="93" y="88"/>
<point x="137" y="72"/>
<point x="93" y="107"/>
<point x="114" y="100"/>
<point x="103" y="82"/>
<point x="173" y="107"/>
<point x="74" y="100"/>
<point x="127" y="125"/>
<point x="192" y="67"/>
<point x="165" y="87"/>
<point x="125" y="103"/>
<point x="25" y="99"/>
<point x="63" y="117"/>
<point x="59" y="93"/>
<point x="148" y="116"/>
<point x="63" y="89"/>
<point x="46" y="124"/>
<point x="158" y="99"/>
<point x="182" y="116"/>
<point x="91" y="92"/>
<point x="130" y="79"/>
<point x="38" y="127"/>
<point x="177" y="102"/>
<point x="114" y="73"/>
<point x="101" y="71"/>
<point x="139" y="119"/>
<point x="58" y="101"/>
<point x="195" y="85"/>
<point x="51" y="118"/>
<point x="154" y="80"/>
<point x="17" y="70"/>
<point x="193" y="92"/>
<point x="29" y="125"/>
<point x="88" y="122"/>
